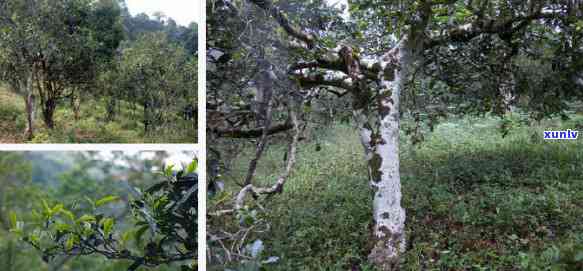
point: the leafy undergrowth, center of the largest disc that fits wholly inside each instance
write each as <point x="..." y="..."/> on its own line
<point x="11" y="107"/>
<point x="91" y="126"/>
<point x="474" y="200"/>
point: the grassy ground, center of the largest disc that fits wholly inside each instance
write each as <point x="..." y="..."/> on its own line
<point x="474" y="200"/>
<point x="90" y="128"/>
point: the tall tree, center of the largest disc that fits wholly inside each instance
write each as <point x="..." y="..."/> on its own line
<point x="18" y="56"/>
<point x="439" y="52"/>
<point x="158" y="75"/>
<point x="53" y="47"/>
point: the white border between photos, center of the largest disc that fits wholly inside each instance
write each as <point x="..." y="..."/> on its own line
<point x="202" y="134"/>
<point x="102" y="147"/>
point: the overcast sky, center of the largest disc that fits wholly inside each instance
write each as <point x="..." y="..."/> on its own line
<point x="176" y="158"/>
<point x="338" y="4"/>
<point x="182" y="11"/>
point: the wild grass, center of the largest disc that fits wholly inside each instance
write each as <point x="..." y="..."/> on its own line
<point x="91" y="127"/>
<point x="474" y="200"/>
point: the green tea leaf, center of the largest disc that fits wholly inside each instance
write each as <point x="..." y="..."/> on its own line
<point x="106" y="200"/>
<point x="34" y="238"/>
<point x="86" y="218"/>
<point x="107" y="226"/>
<point x="57" y="208"/>
<point x="192" y="167"/>
<point x="168" y="170"/>
<point x="13" y="220"/>
<point x="71" y="242"/>
<point x="62" y="227"/>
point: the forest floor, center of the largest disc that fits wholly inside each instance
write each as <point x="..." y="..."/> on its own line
<point x="474" y="200"/>
<point x="90" y="128"/>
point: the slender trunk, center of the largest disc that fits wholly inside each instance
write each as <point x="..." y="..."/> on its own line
<point x="382" y="148"/>
<point x="147" y="118"/>
<point x="29" y="107"/>
<point x="111" y="109"/>
<point x="76" y="104"/>
<point x="264" y="118"/>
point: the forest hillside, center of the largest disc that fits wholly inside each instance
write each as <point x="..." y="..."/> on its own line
<point x="95" y="74"/>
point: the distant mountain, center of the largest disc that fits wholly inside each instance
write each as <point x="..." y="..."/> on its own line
<point x="134" y="26"/>
<point x="48" y="166"/>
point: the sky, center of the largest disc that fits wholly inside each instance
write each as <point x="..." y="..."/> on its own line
<point x="182" y="11"/>
<point x="338" y="4"/>
<point x="177" y="158"/>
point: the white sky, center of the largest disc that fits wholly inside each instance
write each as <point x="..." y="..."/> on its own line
<point x="182" y="11"/>
<point x="176" y="158"/>
<point x="339" y="4"/>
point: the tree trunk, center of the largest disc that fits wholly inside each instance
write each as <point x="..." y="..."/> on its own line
<point x="147" y="117"/>
<point x="49" y="107"/>
<point x="29" y="107"/>
<point x="388" y="224"/>
<point x="111" y="109"/>
<point x="507" y="91"/>
<point x="47" y="92"/>
<point x="76" y="104"/>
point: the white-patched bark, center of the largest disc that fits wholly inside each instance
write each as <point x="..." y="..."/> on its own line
<point x="364" y="130"/>
<point x="388" y="228"/>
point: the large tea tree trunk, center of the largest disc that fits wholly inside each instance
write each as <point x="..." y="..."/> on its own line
<point x="49" y="92"/>
<point x="380" y="139"/>
<point x="49" y="107"/>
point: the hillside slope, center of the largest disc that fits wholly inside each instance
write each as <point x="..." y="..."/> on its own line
<point x="91" y="126"/>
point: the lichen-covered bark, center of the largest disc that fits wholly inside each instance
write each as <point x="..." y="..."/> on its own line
<point x="388" y="225"/>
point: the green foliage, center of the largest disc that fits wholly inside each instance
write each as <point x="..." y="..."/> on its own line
<point x="473" y="200"/>
<point x="164" y="214"/>
<point x="72" y="205"/>
<point x="192" y="167"/>
<point x="453" y="58"/>
<point x="106" y="200"/>
<point x="15" y="194"/>
<point x="71" y="64"/>
<point x="160" y="78"/>
<point x="128" y="127"/>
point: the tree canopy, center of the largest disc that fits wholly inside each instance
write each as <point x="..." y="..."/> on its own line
<point x="55" y="52"/>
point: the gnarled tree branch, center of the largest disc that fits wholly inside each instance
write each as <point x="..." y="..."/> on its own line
<point x="278" y="186"/>
<point x="252" y="133"/>
<point x="284" y="22"/>
<point x="467" y="32"/>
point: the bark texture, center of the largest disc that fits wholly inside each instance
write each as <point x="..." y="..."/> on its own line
<point x="382" y="141"/>
<point x="49" y="107"/>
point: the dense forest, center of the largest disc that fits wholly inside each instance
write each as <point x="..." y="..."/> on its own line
<point x="98" y="211"/>
<point x="395" y="135"/>
<point x="88" y="71"/>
